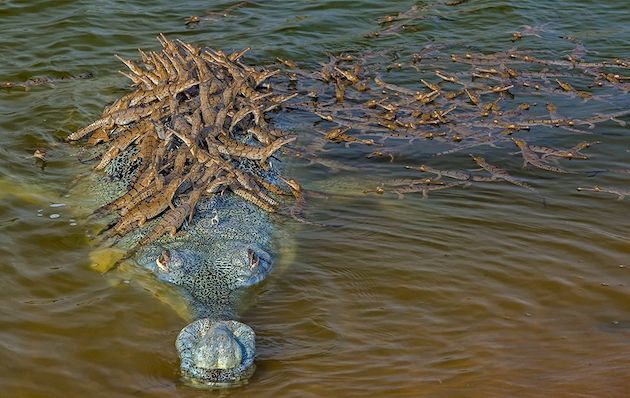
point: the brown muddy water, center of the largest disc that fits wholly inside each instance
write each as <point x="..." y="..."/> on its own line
<point x="476" y="292"/>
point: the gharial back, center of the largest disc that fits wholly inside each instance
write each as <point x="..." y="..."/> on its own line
<point x="216" y="243"/>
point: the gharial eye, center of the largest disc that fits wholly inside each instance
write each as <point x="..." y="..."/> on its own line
<point x="163" y="260"/>
<point x="252" y="258"/>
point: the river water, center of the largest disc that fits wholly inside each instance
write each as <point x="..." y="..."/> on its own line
<point x="476" y="292"/>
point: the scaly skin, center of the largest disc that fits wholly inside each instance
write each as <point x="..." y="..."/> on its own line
<point x="120" y="118"/>
<point x="234" y="148"/>
<point x="42" y="81"/>
<point x="425" y="188"/>
<point x="147" y="210"/>
<point x="621" y="193"/>
<point x="264" y="134"/>
<point x="455" y="174"/>
<point x="140" y="190"/>
<point x="173" y="219"/>
<point x="253" y="198"/>
<point x="120" y="143"/>
<point x="338" y="134"/>
<point x="243" y="112"/>
<point x="530" y="157"/>
<point x="498" y="173"/>
<point x="206" y="89"/>
<point x="162" y="92"/>
<point x="572" y="153"/>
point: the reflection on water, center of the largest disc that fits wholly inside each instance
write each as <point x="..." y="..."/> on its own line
<point x="483" y="291"/>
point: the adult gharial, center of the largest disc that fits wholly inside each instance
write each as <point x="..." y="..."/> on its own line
<point x="187" y="180"/>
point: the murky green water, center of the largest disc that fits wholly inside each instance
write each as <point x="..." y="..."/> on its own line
<point x="475" y="292"/>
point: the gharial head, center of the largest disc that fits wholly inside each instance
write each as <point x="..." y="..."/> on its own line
<point x="235" y="263"/>
<point x="216" y="353"/>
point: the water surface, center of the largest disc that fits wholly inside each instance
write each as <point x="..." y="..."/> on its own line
<point x="482" y="291"/>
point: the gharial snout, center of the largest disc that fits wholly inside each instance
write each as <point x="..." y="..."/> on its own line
<point x="216" y="353"/>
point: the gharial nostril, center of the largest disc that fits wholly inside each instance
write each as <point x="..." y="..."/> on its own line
<point x="163" y="260"/>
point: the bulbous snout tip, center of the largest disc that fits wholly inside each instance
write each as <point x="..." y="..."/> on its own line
<point x="216" y="354"/>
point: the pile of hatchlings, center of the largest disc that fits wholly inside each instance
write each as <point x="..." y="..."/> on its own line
<point x="194" y="116"/>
